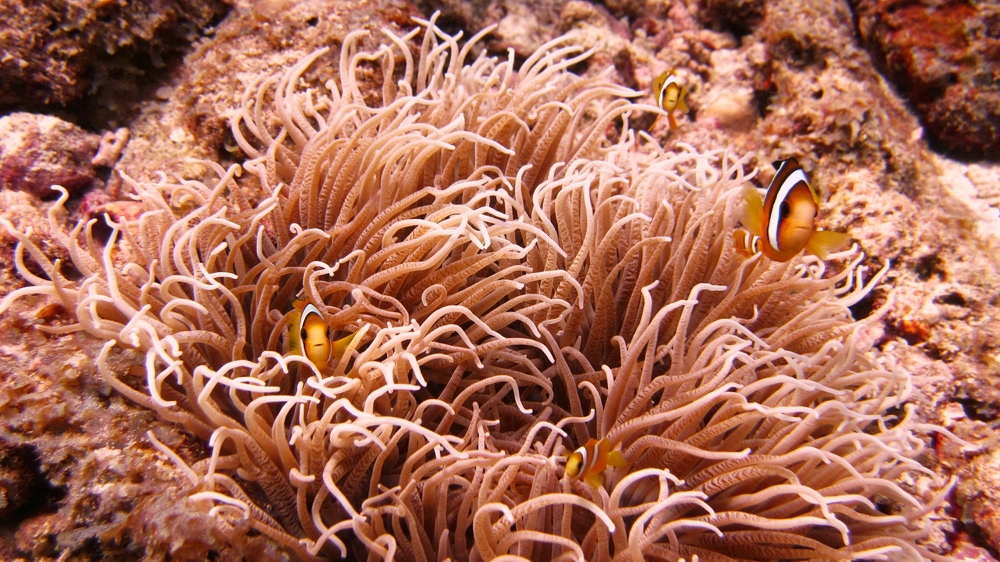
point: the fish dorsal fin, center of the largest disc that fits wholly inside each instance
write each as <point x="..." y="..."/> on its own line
<point x="753" y="210"/>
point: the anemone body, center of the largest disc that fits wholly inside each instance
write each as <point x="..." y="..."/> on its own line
<point x="519" y="283"/>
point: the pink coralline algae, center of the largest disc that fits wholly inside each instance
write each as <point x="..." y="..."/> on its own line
<point x="945" y="57"/>
<point x="37" y="151"/>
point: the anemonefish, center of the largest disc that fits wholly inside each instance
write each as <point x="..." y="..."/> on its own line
<point x="746" y="243"/>
<point x="590" y="461"/>
<point x="309" y="335"/>
<point x="781" y="225"/>
<point x="669" y="95"/>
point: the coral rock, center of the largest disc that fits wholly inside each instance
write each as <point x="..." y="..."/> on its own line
<point x="738" y="16"/>
<point x="945" y="57"/>
<point x="38" y="151"/>
<point x="95" y="53"/>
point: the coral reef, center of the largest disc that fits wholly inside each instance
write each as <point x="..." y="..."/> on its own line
<point x="39" y="151"/>
<point x="516" y="284"/>
<point x="796" y="82"/>
<point x="944" y="57"/>
<point x="94" y="54"/>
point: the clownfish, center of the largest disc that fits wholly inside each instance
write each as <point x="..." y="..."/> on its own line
<point x="309" y="336"/>
<point x="590" y="461"/>
<point x="669" y="95"/>
<point x="746" y="243"/>
<point x="781" y="225"/>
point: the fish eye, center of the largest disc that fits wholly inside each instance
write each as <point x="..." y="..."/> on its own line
<point x="303" y="335"/>
<point x="784" y="209"/>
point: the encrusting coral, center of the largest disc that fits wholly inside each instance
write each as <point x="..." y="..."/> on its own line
<point x="518" y="284"/>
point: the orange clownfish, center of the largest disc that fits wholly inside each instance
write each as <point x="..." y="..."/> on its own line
<point x="782" y="225"/>
<point x="588" y="462"/>
<point x="669" y="95"/>
<point x="309" y="336"/>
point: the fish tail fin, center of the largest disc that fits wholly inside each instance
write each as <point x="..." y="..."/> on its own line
<point x="824" y="242"/>
<point x="681" y="104"/>
<point x="616" y="459"/>
<point x="670" y="118"/>
<point x="753" y="210"/>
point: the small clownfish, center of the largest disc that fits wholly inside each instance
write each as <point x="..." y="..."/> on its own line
<point x="308" y="331"/>
<point x="669" y="95"/>
<point x="781" y="225"/>
<point x="745" y="243"/>
<point x="588" y="462"/>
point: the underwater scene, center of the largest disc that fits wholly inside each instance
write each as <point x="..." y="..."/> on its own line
<point x="428" y="280"/>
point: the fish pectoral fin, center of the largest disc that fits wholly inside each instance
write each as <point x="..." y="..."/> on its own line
<point x="616" y="459"/>
<point x="753" y="210"/>
<point x="340" y="346"/>
<point x="824" y="242"/>
<point x="681" y="104"/>
<point x="595" y="479"/>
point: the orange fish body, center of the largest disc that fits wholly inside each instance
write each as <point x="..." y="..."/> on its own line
<point x="745" y="243"/>
<point x="669" y="95"/>
<point x="782" y="225"/>
<point x="589" y="462"/>
<point x="310" y="336"/>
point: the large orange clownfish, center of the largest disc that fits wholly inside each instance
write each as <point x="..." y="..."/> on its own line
<point x="309" y="336"/>
<point x="782" y="224"/>
<point x="590" y="461"/>
<point x="669" y="95"/>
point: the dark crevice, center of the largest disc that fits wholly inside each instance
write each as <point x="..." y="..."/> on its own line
<point x="863" y="308"/>
<point x="953" y="298"/>
<point x="929" y="266"/>
<point x="28" y="492"/>
<point x="986" y="412"/>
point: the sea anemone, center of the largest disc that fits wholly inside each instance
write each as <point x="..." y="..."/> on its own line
<point x="516" y="284"/>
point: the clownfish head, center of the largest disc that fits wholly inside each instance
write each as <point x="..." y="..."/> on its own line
<point x="790" y="208"/>
<point x="315" y="333"/>
<point x="309" y="335"/>
<point x="669" y="94"/>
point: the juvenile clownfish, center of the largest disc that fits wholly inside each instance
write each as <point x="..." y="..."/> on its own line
<point x="669" y="95"/>
<point x="590" y="461"/>
<point x="783" y="224"/>
<point x="308" y="331"/>
<point x="746" y="243"/>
